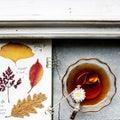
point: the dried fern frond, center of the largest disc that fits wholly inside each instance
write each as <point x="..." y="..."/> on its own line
<point x="26" y="106"/>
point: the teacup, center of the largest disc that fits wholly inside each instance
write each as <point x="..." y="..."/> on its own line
<point x="96" y="78"/>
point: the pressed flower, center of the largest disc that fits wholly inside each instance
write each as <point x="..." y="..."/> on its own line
<point x="78" y="94"/>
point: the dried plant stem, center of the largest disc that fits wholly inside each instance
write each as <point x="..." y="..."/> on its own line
<point x="30" y="90"/>
<point x="51" y="109"/>
<point x="8" y="116"/>
<point x="8" y="94"/>
<point x="62" y="99"/>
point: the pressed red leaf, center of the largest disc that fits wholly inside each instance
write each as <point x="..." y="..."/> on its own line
<point x="35" y="74"/>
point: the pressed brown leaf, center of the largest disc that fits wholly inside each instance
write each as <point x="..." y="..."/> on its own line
<point x="26" y="106"/>
<point x="29" y="98"/>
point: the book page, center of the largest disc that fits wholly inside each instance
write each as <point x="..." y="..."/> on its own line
<point x="25" y="80"/>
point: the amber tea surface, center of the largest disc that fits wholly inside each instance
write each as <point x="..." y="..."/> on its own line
<point x="94" y="92"/>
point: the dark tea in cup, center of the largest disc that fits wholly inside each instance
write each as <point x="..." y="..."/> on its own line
<point x="95" y="91"/>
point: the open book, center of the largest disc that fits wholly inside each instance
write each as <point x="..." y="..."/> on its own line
<point x="25" y="79"/>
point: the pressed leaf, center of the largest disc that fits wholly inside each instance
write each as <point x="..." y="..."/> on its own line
<point x="26" y="106"/>
<point x="16" y="51"/>
<point x="29" y="98"/>
<point x="35" y="74"/>
<point x="7" y="81"/>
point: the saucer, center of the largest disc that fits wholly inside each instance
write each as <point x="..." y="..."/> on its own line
<point x="107" y="83"/>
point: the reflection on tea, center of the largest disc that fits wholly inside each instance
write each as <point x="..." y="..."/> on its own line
<point x="93" y="79"/>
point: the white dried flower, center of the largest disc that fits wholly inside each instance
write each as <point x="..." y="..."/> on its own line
<point x="78" y="94"/>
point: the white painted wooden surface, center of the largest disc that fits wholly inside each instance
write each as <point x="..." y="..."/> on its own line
<point x="59" y="10"/>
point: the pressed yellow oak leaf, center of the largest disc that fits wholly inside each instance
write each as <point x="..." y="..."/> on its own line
<point x="26" y="106"/>
<point x="16" y="51"/>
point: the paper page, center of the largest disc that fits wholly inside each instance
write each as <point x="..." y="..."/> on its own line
<point x="25" y="80"/>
